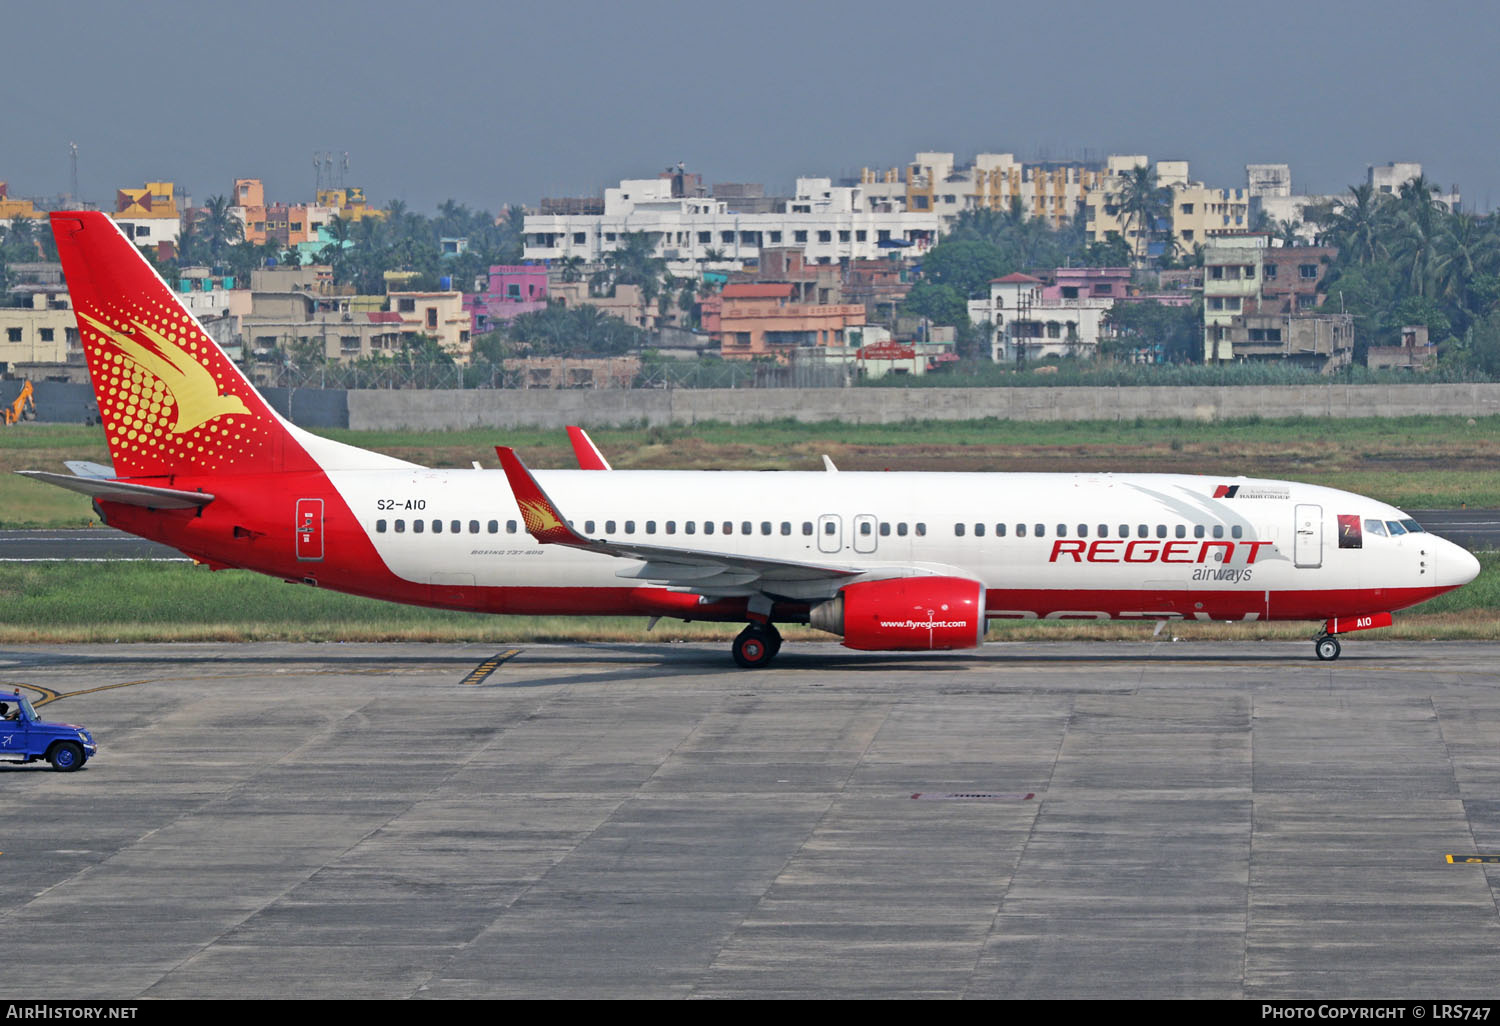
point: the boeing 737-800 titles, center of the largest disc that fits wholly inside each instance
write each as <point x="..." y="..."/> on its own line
<point x="889" y="561"/>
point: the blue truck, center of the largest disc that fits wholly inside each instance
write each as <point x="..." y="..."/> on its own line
<point x="25" y="737"/>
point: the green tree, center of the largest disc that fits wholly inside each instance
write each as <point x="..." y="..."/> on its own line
<point x="940" y="304"/>
<point x="968" y="266"/>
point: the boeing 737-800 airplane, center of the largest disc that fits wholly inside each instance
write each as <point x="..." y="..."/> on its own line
<point x="889" y="561"/>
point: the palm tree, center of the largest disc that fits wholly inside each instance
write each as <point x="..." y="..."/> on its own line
<point x="220" y="227"/>
<point x="1144" y="203"/>
<point x="1420" y="219"/>
<point x="1355" y="226"/>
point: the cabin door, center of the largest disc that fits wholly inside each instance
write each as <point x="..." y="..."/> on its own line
<point x="309" y="529"/>
<point x="1307" y="546"/>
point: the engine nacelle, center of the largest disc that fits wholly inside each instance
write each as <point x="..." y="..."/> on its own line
<point x="905" y="614"/>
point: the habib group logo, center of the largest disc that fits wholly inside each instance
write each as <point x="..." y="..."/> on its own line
<point x="1252" y="492"/>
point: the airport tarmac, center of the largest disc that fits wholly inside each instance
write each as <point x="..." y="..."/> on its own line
<point x="1078" y="820"/>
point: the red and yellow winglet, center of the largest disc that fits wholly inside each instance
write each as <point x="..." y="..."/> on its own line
<point x="541" y="516"/>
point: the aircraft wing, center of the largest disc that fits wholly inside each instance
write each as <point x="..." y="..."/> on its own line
<point x="696" y="570"/>
<point x="113" y="490"/>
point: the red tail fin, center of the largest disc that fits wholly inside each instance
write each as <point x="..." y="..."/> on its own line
<point x="171" y="401"/>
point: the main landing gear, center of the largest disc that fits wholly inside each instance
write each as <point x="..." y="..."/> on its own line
<point x="756" y="645"/>
<point x="1326" y="646"/>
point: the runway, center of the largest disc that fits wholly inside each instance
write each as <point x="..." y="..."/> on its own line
<point x="1080" y="820"/>
<point x="1474" y="529"/>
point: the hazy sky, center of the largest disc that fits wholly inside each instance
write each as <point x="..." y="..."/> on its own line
<point x="494" y="102"/>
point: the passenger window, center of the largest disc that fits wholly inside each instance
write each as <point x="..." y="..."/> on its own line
<point x="1161" y="530"/>
<point x="885" y="529"/>
<point x="689" y="527"/>
<point x="1104" y="530"/>
<point x="1180" y="531"/>
<point x="630" y="527"/>
<point x="417" y="526"/>
<point x="1197" y="530"/>
<point x="786" y="528"/>
<point x="1142" y="531"/>
<point x="765" y="527"/>
<point x="510" y="527"/>
<point x="901" y="529"/>
<point x="588" y="527"/>
<point x="456" y="526"/>
<point x="1062" y="530"/>
<point x="380" y="527"/>
<point x="437" y="527"/>
<point x="830" y="527"/>
<point x="1218" y="530"/>
<point x="1020" y="530"/>
<point x="921" y="530"/>
<point x="473" y="527"/>
<point x="979" y="530"/>
<point x="401" y="527"/>
<point x="671" y="527"/>
<point x="1375" y="527"/>
<point x="999" y="530"/>
<point x="1083" y="530"/>
<point x="708" y="527"/>
<point x="651" y="527"/>
<point x="864" y="528"/>
<point x="745" y="526"/>
<point x="494" y="526"/>
<point x="958" y="530"/>
<point x="1041" y="530"/>
<point x="1236" y="531"/>
<point x="1124" y="530"/>
<point x="807" y="528"/>
<point x="609" y="527"/>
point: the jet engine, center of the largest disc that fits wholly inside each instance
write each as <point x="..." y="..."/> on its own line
<point x="905" y="614"/>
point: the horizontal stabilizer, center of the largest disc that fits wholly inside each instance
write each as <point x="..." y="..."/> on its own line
<point x="113" y="490"/>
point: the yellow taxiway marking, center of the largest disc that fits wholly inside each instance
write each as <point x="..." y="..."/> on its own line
<point x="1471" y="860"/>
<point x="480" y="673"/>
<point x="49" y="696"/>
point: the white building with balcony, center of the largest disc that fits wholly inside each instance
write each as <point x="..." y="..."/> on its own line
<point x="1026" y="325"/>
<point x="828" y="223"/>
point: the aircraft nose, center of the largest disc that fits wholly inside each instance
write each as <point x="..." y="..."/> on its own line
<point x="1455" y="565"/>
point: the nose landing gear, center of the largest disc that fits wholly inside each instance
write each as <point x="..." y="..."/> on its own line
<point x="1326" y="646"/>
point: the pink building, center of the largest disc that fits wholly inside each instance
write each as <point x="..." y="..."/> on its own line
<point x="513" y="289"/>
<point x="1089" y="283"/>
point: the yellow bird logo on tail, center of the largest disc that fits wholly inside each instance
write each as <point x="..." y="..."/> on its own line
<point x="539" y="517"/>
<point x="195" y="394"/>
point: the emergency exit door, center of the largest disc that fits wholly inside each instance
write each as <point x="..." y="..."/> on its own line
<point x="1307" y="545"/>
<point x="309" y="529"/>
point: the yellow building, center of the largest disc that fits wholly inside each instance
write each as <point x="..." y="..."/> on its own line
<point x="440" y="315"/>
<point x="1198" y="213"/>
<point x="154" y="200"/>
<point x="349" y="203"/>
<point x="12" y="208"/>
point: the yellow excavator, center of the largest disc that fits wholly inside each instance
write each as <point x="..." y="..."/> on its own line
<point x="17" y="411"/>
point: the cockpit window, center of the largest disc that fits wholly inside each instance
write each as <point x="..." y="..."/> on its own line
<point x="1394" y="527"/>
<point x="1375" y="527"/>
<point x="1412" y="527"/>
